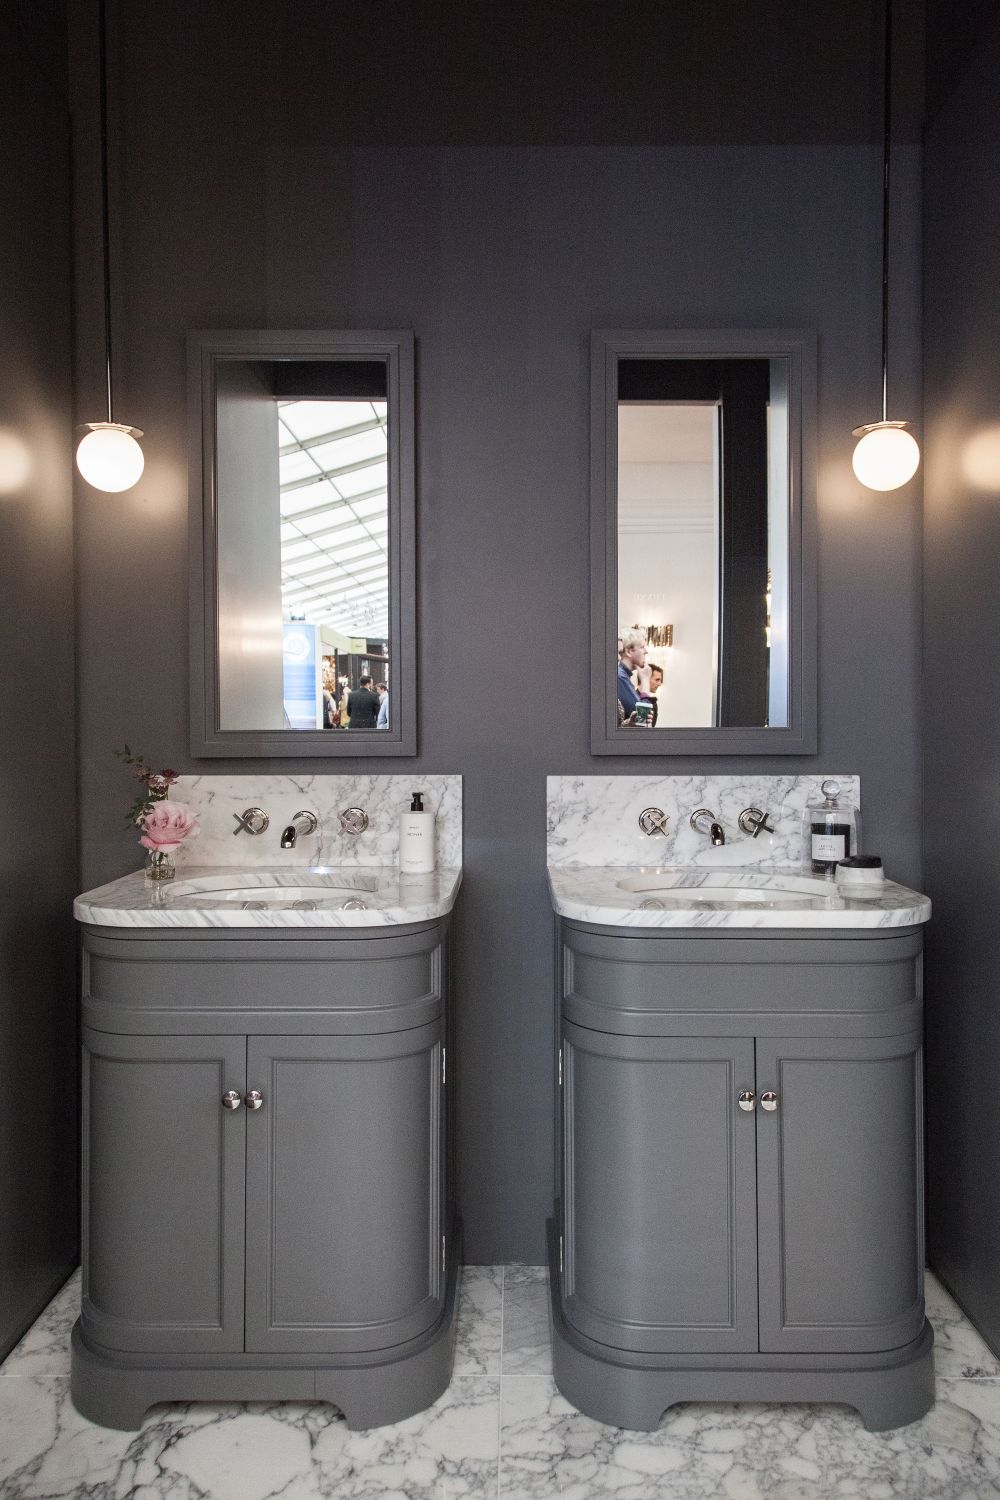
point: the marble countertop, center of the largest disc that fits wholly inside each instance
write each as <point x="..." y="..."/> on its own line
<point x="319" y="896"/>
<point x="614" y="896"/>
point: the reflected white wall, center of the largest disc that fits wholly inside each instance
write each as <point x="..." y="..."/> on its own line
<point x="249" y="552"/>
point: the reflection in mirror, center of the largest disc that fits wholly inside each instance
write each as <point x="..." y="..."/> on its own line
<point x="302" y="536"/>
<point x="703" y="563"/>
<point x="702" y="543"/>
<point x="303" y="545"/>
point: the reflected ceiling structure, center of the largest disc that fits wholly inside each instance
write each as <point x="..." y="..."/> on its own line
<point x="333" y="461"/>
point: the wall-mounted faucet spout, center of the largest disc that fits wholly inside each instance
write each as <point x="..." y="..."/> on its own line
<point x="703" y="820"/>
<point x="309" y="823"/>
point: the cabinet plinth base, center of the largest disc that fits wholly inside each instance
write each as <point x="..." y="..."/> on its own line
<point x="889" y="1389"/>
<point x="370" y="1390"/>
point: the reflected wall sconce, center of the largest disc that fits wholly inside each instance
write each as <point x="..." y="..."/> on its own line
<point x="657" y="635"/>
<point x="108" y="456"/>
<point x="886" y="455"/>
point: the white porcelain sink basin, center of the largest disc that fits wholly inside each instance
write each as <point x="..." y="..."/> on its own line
<point x="744" y="889"/>
<point x="304" y="888"/>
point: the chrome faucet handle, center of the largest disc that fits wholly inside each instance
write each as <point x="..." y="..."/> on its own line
<point x="353" y="820"/>
<point x="753" y="820"/>
<point x="251" y="820"/>
<point x="653" y="820"/>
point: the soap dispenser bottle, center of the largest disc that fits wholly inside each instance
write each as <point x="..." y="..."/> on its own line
<point x="416" y="838"/>
<point x="830" y="830"/>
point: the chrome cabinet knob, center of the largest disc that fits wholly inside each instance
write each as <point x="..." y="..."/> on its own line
<point x="747" y="1100"/>
<point x="254" y="1100"/>
<point x="232" y="1099"/>
<point x="769" y="1101"/>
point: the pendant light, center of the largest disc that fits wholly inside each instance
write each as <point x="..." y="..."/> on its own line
<point x="108" y="457"/>
<point x="887" y="454"/>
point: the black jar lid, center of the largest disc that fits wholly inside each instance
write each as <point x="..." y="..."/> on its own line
<point x="862" y="862"/>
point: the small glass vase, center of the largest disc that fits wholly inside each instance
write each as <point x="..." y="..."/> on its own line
<point x="159" y="866"/>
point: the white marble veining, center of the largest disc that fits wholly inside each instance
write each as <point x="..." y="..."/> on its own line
<point x="526" y="1348"/>
<point x="222" y="896"/>
<point x="215" y="798"/>
<point x="44" y="1350"/>
<point x="500" y="1429"/>
<point x="749" y="1451"/>
<point x="479" y="1328"/>
<point x="594" y="820"/>
<point x="670" y="899"/>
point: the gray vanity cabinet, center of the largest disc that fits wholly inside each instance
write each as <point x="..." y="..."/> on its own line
<point x="345" y="1153"/>
<point x="840" y="1193"/>
<point x="659" y="1240"/>
<point x="266" y="1186"/>
<point x="741" y="1178"/>
<point x="163" y="1247"/>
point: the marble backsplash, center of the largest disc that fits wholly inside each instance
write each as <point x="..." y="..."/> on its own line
<point x="594" y="820"/>
<point x="216" y="798"/>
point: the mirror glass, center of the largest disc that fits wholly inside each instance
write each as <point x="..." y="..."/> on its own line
<point x="303" y="545"/>
<point x="304" y="639"/>
<point x="702" y="543"/>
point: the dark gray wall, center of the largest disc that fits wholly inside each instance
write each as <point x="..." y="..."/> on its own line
<point x="243" y="208"/>
<point x="961" y="702"/>
<point x="38" y="873"/>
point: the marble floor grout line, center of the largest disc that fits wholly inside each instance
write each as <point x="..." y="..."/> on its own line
<point x="503" y="1307"/>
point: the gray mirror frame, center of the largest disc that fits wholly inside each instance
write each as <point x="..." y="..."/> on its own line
<point x="799" y="348"/>
<point x="206" y="350"/>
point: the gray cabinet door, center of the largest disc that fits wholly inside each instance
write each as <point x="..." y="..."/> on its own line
<point x="344" y="1191"/>
<point x="659" y="1229"/>
<point x="163" y="1192"/>
<point x="839" y="1183"/>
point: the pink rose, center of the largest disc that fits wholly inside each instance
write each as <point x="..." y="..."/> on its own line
<point x="166" y="827"/>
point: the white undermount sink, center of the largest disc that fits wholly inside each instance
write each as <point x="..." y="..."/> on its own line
<point x="746" y="888"/>
<point x="312" y="886"/>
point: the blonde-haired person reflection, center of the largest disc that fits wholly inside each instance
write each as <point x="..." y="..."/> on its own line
<point x="632" y="659"/>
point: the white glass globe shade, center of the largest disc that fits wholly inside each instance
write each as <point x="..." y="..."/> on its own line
<point x="109" y="458"/>
<point x="885" y="458"/>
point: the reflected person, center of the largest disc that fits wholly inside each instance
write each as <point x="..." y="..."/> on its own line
<point x="382" y="722"/>
<point x="655" y="683"/>
<point x="631" y="659"/>
<point x="362" y="706"/>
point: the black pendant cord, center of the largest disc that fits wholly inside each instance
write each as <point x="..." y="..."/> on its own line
<point x="886" y="152"/>
<point x="105" y="217"/>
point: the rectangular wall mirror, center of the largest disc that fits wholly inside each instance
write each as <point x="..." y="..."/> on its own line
<point x="302" y="544"/>
<point x="702" y="550"/>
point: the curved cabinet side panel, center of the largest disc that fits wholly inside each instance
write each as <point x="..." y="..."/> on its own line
<point x="660" y="1230"/>
<point x="344" y="1211"/>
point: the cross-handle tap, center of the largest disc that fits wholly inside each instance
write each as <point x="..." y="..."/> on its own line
<point x="703" y="820"/>
<point x="309" y="824"/>
<point x="754" y="820"/>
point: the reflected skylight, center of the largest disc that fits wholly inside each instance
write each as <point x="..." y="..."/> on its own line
<point x="333" y="462"/>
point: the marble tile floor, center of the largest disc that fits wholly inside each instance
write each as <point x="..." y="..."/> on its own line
<point x="501" y="1431"/>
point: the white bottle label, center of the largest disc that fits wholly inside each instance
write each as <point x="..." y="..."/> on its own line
<point x="828" y="847"/>
<point x="416" y="843"/>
